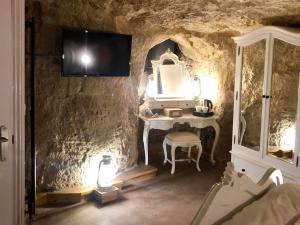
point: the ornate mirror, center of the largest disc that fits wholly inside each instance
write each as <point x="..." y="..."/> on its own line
<point x="169" y="79"/>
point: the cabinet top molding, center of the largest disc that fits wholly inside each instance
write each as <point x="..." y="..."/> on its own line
<point x="287" y="34"/>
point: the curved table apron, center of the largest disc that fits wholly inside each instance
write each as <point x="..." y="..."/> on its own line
<point x="166" y="123"/>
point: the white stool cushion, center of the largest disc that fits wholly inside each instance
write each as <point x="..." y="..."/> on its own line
<point x="183" y="137"/>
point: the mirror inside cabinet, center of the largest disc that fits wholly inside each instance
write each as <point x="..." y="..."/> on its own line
<point x="283" y="101"/>
<point x="251" y="95"/>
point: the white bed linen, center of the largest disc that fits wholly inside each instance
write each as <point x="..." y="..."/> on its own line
<point x="279" y="206"/>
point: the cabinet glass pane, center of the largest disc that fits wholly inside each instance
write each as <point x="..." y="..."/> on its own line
<point x="283" y="102"/>
<point x="251" y="95"/>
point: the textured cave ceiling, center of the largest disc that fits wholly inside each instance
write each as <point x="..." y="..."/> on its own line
<point x="200" y="16"/>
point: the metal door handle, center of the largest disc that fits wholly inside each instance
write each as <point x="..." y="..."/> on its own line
<point x="3" y="142"/>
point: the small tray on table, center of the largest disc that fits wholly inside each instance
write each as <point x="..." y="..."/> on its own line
<point x="202" y="114"/>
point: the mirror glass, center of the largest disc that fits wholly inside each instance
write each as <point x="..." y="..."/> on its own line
<point x="251" y="94"/>
<point x="284" y="100"/>
<point x="170" y="81"/>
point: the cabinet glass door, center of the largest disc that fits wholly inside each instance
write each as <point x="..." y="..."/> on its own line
<point x="283" y="100"/>
<point x="252" y="78"/>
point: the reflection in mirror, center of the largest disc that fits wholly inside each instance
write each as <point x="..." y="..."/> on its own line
<point x="170" y="80"/>
<point x="283" y="104"/>
<point x="251" y="95"/>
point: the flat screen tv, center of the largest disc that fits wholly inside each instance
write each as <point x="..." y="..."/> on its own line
<point x="95" y="54"/>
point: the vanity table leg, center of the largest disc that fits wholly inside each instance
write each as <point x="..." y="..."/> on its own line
<point x="145" y="140"/>
<point x="216" y="126"/>
<point x="198" y="157"/>
<point x="165" y="151"/>
<point x="173" y="148"/>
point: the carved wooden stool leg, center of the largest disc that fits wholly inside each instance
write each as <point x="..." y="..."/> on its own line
<point x="189" y="154"/>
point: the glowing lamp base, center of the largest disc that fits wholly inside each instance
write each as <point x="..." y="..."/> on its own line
<point x="107" y="196"/>
<point x="105" y="189"/>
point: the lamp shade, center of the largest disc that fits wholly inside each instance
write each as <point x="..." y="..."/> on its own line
<point x="106" y="173"/>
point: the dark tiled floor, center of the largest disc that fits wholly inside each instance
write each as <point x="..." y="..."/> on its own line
<point x="167" y="199"/>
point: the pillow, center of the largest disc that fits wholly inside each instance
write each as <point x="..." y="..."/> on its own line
<point x="279" y="206"/>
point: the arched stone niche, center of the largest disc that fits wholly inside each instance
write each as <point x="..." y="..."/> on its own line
<point x="211" y="58"/>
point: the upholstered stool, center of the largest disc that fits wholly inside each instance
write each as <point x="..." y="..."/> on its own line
<point x="185" y="140"/>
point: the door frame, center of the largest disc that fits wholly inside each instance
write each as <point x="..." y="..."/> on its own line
<point x="18" y="34"/>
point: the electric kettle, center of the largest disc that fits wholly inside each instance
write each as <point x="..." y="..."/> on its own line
<point x="209" y="104"/>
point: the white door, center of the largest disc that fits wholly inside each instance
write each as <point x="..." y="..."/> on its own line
<point x="10" y="180"/>
<point x="6" y="112"/>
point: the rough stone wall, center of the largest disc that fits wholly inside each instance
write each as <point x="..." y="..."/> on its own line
<point x="78" y="118"/>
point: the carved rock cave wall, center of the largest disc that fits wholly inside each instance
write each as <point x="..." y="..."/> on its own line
<point x="79" y="118"/>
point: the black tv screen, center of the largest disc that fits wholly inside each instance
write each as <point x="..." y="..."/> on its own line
<point x="95" y="54"/>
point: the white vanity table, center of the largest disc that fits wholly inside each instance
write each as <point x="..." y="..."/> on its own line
<point x="166" y="123"/>
<point x="170" y="87"/>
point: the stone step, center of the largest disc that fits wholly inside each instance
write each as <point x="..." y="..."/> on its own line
<point x="138" y="174"/>
<point x="78" y="194"/>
